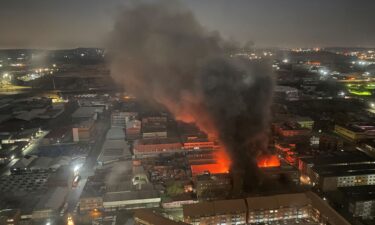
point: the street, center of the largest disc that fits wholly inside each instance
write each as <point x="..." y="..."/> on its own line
<point x="89" y="167"/>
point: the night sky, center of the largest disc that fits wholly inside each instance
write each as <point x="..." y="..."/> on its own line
<point x="271" y="23"/>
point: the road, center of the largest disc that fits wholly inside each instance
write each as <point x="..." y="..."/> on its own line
<point x="89" y="167"/>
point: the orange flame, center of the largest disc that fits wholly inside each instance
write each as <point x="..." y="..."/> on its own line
<point x="265" y="161"/>
<point x="222" y="165"/>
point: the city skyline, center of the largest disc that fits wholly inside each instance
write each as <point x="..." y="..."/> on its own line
<point x="291" y="23"/>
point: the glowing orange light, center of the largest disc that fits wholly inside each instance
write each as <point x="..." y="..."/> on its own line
<point x="222" y="165"/>
<point x="211" y="168"/>
<point x="265" y="161"/>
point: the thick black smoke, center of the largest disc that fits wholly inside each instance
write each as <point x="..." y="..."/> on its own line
<point x="159" y="51"/>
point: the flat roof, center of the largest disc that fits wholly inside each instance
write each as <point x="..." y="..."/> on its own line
<point x="113" y="150"/>
<point x="115" y="133"/>
<point x="86" y="111"/>
<point x="336" y="158"/>
<point x="155" y="141"/>
<point x="130" y="195"/>
<point x="359" y="193"/>
<point x="360" y="127"/>
<point x="345" y="170"/>
<point x="148" y="216"/>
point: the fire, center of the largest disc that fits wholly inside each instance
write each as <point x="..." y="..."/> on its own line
<point x="265" y="161"/>
<point x="211" y="168"/>
<point x="190" y="111"/>
<point x="222" y="159"/>
<point x="222" y="165"/>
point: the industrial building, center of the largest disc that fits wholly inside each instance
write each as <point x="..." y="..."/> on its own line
<point x="154" y="127"/>
<point x="115" y="133"/>
<point x="357" y="131"/>
<point x="118" y="119"/>
<point x="148" y="217"/>
<point x="306" y="163"/>
<point x="84" y="131"/>
<point x="330" y="171"/>
<point x="215" y="186"/>
<point x="358" y="201"/>
<point x="291" y="130"/>
<point x="286" y="93"/>
<point x="133" y="129"/>
<point x="87" y="113"/>
<point x="329" y="178"/>
<point x="114" y="150"/>
<point x="114" y="147"/>
<point x="153" y="147"/>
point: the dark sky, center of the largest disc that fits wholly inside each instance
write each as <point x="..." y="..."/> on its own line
<point x="281" y="23"/>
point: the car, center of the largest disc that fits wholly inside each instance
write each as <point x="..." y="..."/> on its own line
<point x="76" y="181"/>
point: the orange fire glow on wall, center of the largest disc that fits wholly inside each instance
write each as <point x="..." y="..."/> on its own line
<point x="222" y="165"/>
<point x="265" y="161"/>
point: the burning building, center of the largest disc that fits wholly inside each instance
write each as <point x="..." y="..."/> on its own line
<point x="186" y="68"/>
<point x="264" y="161"/>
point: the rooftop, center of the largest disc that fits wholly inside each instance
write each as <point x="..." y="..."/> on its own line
<point x="149" y="217"/>
<point x="338" y="158"/>
<point x="114" y="150"/>
<point x="359" y="193"/>
<point x="361" y="127"/>
<point x="115" y="133"/>
<point x="86" y="112"/>
<point x="131" y="195"/>
<point x="345" y="170"/>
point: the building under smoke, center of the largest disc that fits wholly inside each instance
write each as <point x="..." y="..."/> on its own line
<point x="161" y="53"/>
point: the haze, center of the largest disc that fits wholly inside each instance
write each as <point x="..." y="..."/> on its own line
<point x="269" y="23"/>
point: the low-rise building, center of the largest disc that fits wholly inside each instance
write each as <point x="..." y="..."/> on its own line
<point x="216" y="186"/>
<point x="329" y="178"/>
<point x="87" y="113"/>
<point x="114" y="150"/>
<point x="84" y="131"/>
<point x="286" y="93"/>
<point x="358" y="201"/>
<point x="133" y="129"/>
<point x="291" y="130"/>
<point x="153" y="147"/>
<point x="305" y="164"/>
<point x="154" y="127"/>
<point x="113" y="201"/>
<point x="148" y="217"/>
<point x="115" y="133"/>
<point x="118" y="119"/>
<point x="357" y="131"/>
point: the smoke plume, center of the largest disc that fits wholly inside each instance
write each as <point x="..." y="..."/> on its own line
<point x="159" y="51"/>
